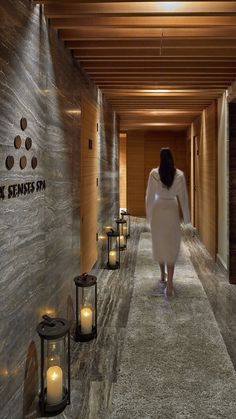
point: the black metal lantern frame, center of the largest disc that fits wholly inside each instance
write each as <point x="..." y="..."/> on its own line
<point x="126" y="216"/>
<point x="113" y="250"/>
<point x="55" y="365"/>
<point x="121" y="230"/>
<point x="86" y="307"/>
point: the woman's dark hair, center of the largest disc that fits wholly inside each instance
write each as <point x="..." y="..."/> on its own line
<point x="167" y="168"/>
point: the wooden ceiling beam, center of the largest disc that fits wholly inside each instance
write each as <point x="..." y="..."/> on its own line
<point x="103" y="33"/>
<point x="159" y="60"/>
<point x="156" y="52"/>
<point x="145" y="125"/>
<point x="163" y="76"/>
<point x="177" y="79"/>
<point x="158" y="64"/>
<point x="165" y="104"/>
<point x="162" y="72"/>
<point x="214" y="43"/>
<point x="158" y="118"/>
<point x="114" y="90"/>
<point x="196" y="108"/>
<point x="144" y="22"/>
<point x="112" y="1"/>
<point x="155" y="86"/>
<point x="151" y="56"/>
<point x="154" y="104"/>
<point x="160" y="8"/>
<point x="160" y="112"/>
<point x="160" y="85"/>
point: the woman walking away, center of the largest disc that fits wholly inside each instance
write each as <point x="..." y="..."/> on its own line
<point x="165" y="184"/>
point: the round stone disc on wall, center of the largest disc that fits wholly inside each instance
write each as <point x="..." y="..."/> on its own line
<point x="9" y="162"/>
<point x="17" y="141"/>
<point x="23" y="123"/>
<point x="28" y="143"/>
<point x="34" y="162"/>
<point x="23" y="162"/>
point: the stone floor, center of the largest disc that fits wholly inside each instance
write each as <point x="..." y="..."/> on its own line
<point x="221" y="294"/>
<point x="174" y="362"/>
<point x="155" y="358"/>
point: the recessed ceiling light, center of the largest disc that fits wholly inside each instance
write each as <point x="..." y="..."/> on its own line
<point x="157" y="91"/>
<point x="74" y="111"/>
<point x="170" y="6"/>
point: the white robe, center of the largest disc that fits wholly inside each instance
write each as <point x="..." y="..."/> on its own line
<point x="163" y="215"/>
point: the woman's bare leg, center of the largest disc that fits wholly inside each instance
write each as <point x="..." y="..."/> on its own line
<point x="163" y="274"/>
<point x="170" y="274"/>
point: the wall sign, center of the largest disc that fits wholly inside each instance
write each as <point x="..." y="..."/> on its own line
<point x="18" y="189"/>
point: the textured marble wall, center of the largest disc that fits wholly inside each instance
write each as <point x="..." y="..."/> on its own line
<point x="232" y="193"/>
<point x="222" y="161"/>
<point x="108" y="175"/>
<point x="39" y="232"/>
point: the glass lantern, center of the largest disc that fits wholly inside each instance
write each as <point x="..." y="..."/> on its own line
<point x="126" y="216"/>
<point x="121" y="230"/>
<point x="86" y="307"/>
<point x="55" y="365"/>
<point x="113" y="250"/>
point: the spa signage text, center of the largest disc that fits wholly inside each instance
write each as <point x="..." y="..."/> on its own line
<point x="19" y="189"/>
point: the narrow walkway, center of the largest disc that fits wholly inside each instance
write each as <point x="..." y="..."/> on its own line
<point x="152" y="359"/>
<point x="174" y="362"/>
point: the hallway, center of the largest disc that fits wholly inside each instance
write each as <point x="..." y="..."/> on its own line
<point x="156" y="358"/>
<point x="90" y="92"/>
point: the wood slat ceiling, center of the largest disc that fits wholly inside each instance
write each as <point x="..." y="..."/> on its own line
<point x="159" y="63"/>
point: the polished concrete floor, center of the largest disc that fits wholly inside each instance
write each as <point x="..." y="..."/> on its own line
<point x="158" y="358"/>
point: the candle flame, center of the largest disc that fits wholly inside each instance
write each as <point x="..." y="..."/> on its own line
<point x="54" y="376"/>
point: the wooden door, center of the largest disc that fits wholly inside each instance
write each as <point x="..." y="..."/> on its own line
<point x="88" y="185"/>
<point x="196" y="181"/>
<point x="122" y="171"/>
<point x="188" y="167"/>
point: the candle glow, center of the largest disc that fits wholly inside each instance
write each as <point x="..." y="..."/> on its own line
<point x="54" y="385"/>
<point x="112" y="257"/>
<point x="86" y="315"/>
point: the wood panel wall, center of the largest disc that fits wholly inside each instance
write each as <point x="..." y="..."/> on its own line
<point x="232" y="193"/>
<point x="88" y="185"/>
<point x="206" y="201"/>
<point x="135" y="173"/>
<point x="122" y="170"/>
<point x="143" y="150"/>
<point x="188" y="166"/>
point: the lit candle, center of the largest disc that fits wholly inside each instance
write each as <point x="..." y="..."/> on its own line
<point x="122" y="241"/>
<point x="86" y="315"/>
<point x="112" y="258"/>
<point x="54" y="385"/>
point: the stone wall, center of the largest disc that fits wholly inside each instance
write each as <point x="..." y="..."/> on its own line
<point x="40" y="230"/>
